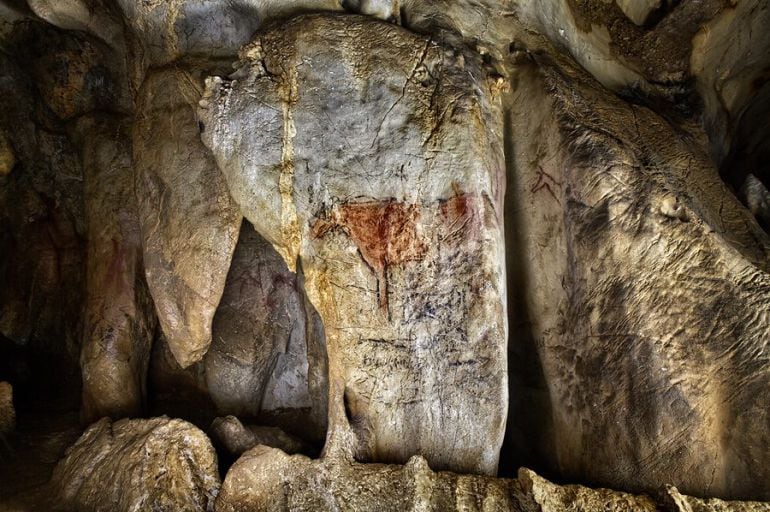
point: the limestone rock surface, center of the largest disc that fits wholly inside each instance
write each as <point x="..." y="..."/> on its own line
<point x="268" y="355"/>
<point x="384" y="177"/>
<point x="119" y="320"/>
<point x="7" y="411"/>
<point x="156" y="464"/>
<point x="267" y="479"/>
<point x="674" y="500"/>
<point x="647" y="292"/>
<point x="188" y="221"/>
<point x="42" y="222"/>
<point x="238" y="438"/>
<point x="624" y="144"/>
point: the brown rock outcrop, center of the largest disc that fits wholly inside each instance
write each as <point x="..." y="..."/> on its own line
<point x="156" y="464"/>
<point x="189" y="223"/>
<point x="267" y="479"/>
<point x="238" y="438"/>
<point x="7" y="411"/>
<point x="119" y="320"/>
<point x="647" y="289"/>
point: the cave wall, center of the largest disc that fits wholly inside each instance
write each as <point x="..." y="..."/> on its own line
<point x="491" y="234"/>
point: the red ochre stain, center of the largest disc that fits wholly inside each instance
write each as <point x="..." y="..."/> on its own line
<point x="388" y="233"/>
<point x="385" y="233"/>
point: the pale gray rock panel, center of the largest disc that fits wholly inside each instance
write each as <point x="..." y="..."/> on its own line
<point x="371" y="154"/>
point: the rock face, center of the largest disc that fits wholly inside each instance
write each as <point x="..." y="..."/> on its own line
<point x="266" y="479"/>
<point x="41" y="220"/>
<point x="674" y="500"/>
<point x="267" y="360"/>
<point x="119" y="321"/>
<point x="647" y="291"/>
<point x="384" y="177"/>
<point x="237" y="438"/>
<point x="415" y="178"/>
<point x="189" y="223"/>
<point x="155" y="464"/>
<point x="268" y="354"/>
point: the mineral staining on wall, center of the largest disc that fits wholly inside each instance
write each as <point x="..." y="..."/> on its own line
<point x="368" y="161"/>
<point x="370" y="154"/>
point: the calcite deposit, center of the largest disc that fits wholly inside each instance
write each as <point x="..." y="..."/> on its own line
<point x="397" y="223"/>
<point x="387" y="254"/>
<point x="156" y="464"/>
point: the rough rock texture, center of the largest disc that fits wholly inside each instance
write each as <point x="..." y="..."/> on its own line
<point x="730" y="62"/>
<point x="41" y="220"/>
<point x="268" y="353"/>
<point x="538" y="494"/>
<point x="7" y="156"/>
<point x="119" y="321"/>
<point x="369" y="156"/>
<point x="647" y="292"/>
<point x="236" y="438"/>
<point x="674" y="500"/>
<point x="384" y="176"/>
<point x="189" y="223"/>
<point x="267" y="360"/>
<point x="177" y="391"/>
<point x="266" y="479"/>
<point x="29" y="454"/>
<point x="7" y="411"/>
<point x="157" y="464"/>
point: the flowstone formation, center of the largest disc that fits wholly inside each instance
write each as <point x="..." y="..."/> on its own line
<point x="384" y="255"/>
<point x="385" y="180"/>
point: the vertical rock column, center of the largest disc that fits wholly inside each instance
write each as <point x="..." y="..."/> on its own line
<point x="370" y="154"/>
<point x="119" y="321"/>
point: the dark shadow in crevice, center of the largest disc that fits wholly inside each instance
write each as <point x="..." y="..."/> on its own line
<point x="529" y="432"/>
<point x="265" y="332"/>
<point x="746" y="169"/>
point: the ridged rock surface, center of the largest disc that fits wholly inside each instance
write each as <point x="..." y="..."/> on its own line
<point x="266" y="479"/>
<point x="648" y="292"/>
<point x="119" y="320"/>
<point x="623" y="142"/>
<point x="384" y="176"/>
<point x="237" y="438"/>
<point x="189" y="223"/>
<point x="157" y="464"/>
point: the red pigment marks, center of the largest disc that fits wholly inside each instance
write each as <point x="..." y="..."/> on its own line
<point x="388" y="232"/>
<point x="385" y="233"/>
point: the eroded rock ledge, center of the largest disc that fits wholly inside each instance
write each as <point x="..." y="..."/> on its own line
<point x="169" y="465"/>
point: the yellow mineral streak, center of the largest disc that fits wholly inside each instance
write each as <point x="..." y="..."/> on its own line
<point x="290" y="235"/>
